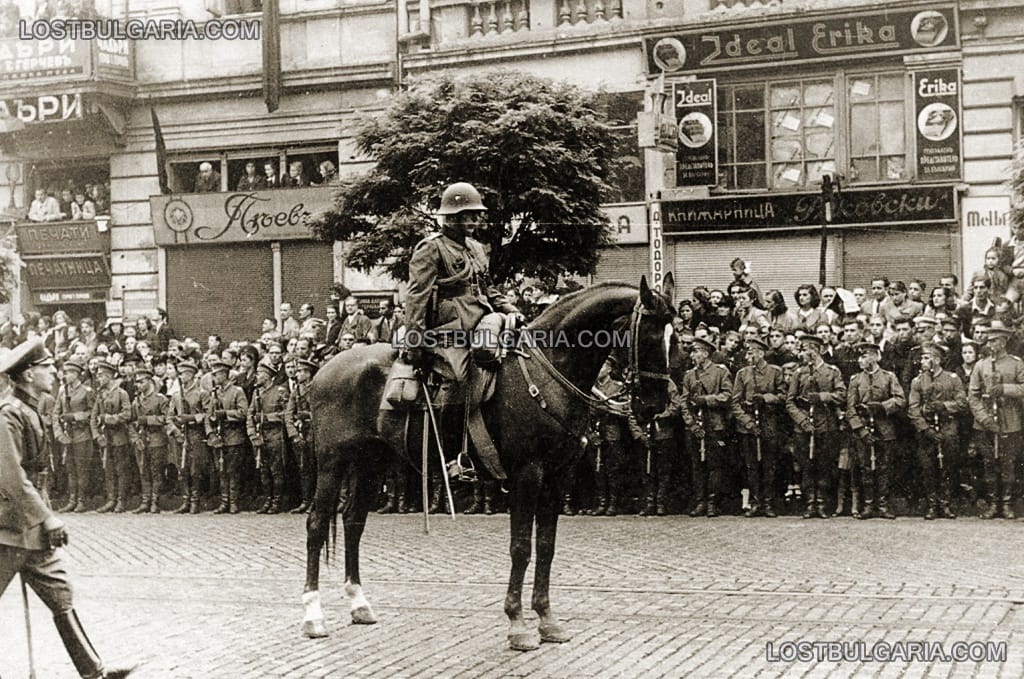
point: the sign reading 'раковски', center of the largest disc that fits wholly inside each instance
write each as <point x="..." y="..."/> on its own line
<point x="845" y="36"/>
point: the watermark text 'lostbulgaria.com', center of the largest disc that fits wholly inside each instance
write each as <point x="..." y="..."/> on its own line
<point x="886" y="652"/>
<point x="139" y="29"/>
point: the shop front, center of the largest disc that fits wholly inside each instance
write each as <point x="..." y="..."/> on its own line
<point x="231" y="258"/>
<point x="67" y="266"/>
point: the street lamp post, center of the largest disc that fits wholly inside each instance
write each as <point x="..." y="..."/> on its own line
<point x="830" y="202"/>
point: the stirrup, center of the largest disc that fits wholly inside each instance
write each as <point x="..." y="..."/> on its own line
<point x="462" y="468"/>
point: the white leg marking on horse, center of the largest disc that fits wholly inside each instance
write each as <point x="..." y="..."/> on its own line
<point x="362" y="614"/>
<point x="311" y="602"/>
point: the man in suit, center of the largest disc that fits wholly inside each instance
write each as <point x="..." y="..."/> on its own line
<point x="31" y="535"/>
<point x="382" y="328"/>
<point x="332" y="327"/>
<point x="356" y="322"/>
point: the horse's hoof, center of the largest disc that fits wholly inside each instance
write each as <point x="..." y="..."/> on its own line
<point x="314" y="629"/>
<point x="553" y="633"/>
<point x="363" y="616"/>
<point x="523" y="641"/>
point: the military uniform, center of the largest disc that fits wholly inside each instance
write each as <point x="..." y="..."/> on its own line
<point x="615" y="437"/>
<point x="189" y="408"/>
<point x="937" y="400"/>
<point x="298" y="420"/>
<point x="658" y="437"/>
<point x="226" y="424"/>
<point x="759" y="392"/>
<point x="1005" y="375"/>
<point x="816" y="397"/>
<point x="706" y="393"/>
<point x="150" y="414"/>
<point x="71" y="428"/>
<point x="111" y="415"/>
<point x="266" y="429"/>
<point x="875" y="396"/>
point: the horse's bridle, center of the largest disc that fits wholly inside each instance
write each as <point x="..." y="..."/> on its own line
<point x="605" y="404"/>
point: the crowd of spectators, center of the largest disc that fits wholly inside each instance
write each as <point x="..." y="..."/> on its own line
<point x="70" y="203"/>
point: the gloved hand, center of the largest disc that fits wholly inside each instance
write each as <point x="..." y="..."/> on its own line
<point x="257" y="441"/>
<point x="995" y="390"/>
<point x="64" y="439"/>
<point x="56" y="533"/>
<point x="877" y="409"/>
<point x="758" y="401"/>
<point x="989" y="424"/>
<point x="932" y="435"/>
<point x="807" y="427"/>
<point x="802" y="402"/>
<point x="864" y="434"/>
<point x="815" y="398"/>
<point x="937" y="408"/>
<point x="110" y="419"/>
<point x="698" y="431"/>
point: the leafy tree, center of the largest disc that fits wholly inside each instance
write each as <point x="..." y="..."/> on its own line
<point x="539" y="152"/>
<point x="1017" y="187"/>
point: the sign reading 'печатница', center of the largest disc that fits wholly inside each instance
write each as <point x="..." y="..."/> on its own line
<point x="276" y="214"/>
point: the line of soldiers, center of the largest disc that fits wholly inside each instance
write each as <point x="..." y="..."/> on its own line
<point x="843" y="433"/>
<point x="209" y="427"/>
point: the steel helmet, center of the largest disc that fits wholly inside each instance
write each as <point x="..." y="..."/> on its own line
<point x="458" y="197"/>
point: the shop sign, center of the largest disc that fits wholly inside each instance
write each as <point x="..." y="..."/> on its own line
<point x="696" y="106"/>
<point x="270" y="215"/>
<point x="46" y="238"/>
<point x="30" y="59"/>
<point x="70" y="296"/>
<point x="114" y="58"/>
<point x="48" y="107"/>
<point x="938" y="122"/>
<point x="864" y="34"/>
<point x="982" y="220"/>
<point x="629" y="223"/>
<point x="657" y="248"/>
<point x="67" y="273"/>
<point x="858" y="207"/>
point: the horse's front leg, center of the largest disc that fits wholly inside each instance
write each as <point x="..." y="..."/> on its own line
<point x="547" y="523"/>
<point x="317" y="525"/>
<point x="523" y="500"/>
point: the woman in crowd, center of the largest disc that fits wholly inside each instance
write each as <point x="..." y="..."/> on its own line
<point x="779" y="315"/>
<point x="808" y="315"/>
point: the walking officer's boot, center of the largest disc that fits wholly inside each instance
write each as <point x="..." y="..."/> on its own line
<point x="84" y="657"/>
<point x="993" y="507"/>
<point x="222" y="508"/>
<point x="404" y="506"/>
<point x="1008" y="508"/>
<point x="143" y="507"/>
<point x="650" y="488"/>
<point x="478" y="499"/>
<point x="613" y="504"/>
<point x="712" y="508"/>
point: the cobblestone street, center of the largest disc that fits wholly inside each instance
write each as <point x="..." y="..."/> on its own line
<point x="216" y="596"/>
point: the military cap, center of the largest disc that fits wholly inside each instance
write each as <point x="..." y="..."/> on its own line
<point x="757" y="342"/>
<point x="813" y="339"/>
<point x="868" y="346"/>
<point x="132" y="357"/>
<point x="936" y="350"/>
<point x="75" y="363"/>
<point x="114" y="320"/>
<point x="305" y="363"/>
<point x="950" y="321"/>
<point x="704" y="344"/>
<point x="188" y="365"/>
<point x="925" y="320"/>
<point x="218" y="364"/>
<point x="25" y="355"/>
<point x="108" y="365"/>
<point x="268" y="365"/>
<point x="997" y="328"/>
<point x="143" y="371"/>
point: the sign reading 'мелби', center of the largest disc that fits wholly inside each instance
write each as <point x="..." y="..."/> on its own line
<point x="276" y="214"/>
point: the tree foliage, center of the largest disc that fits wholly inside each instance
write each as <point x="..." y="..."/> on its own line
<point x="539" y="152"/>
<point x="1017" y="187"/>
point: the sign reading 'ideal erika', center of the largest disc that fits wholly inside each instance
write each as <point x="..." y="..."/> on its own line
<point x="780" y="211"/>
<point x="835" y="37"/>
<point x="697" y="152"/>
<point x="276" y="214"/>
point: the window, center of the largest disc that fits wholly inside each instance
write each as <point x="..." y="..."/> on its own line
<point x="878" y="146"/>
<point x="231" y="164"/>
<point x="627" y="164"/>
<point x="741" y="141"/>
<point x="802" y="116"/>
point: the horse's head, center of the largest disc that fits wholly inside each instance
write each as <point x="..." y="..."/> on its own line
<point x="650" y="327"/>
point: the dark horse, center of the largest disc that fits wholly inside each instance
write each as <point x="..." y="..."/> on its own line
<point x="537" y="417"/>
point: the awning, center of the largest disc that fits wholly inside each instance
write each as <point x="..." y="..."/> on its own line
<point x="92" y="135"/>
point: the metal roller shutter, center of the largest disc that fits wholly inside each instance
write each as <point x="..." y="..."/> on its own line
<point x="898" y="255"/>
<point x="220" y="289"/>
<point x="777" y="261"/>
<point x="626" y="263"/>
<point x="307" y="272"/>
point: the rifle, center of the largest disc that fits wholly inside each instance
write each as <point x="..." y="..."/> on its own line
<point x="103" y="429"/>
<point x="871" y="428"/>
<point x="996" y="379"/>
<point x="257" y="425"/>
<point x="65" y="414"/>
<point x="757" y="430"/>
<point x="703" y="438"/>
<point x="810" y="443"/>
<point x="184" y="426"/>
<point x="938" y="444"/>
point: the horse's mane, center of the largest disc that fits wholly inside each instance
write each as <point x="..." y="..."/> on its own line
<point x="556" y="313"/>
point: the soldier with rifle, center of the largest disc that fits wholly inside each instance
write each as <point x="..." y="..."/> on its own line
<point x="658" y="437"/>
<point x="298" y="420"/>
<point x="815" y="397"/>
<point x="72" y="430"/>
<point x="937" y="399"/>
<point x="706" y="393"/>
<point x="872" y="403"/>
<point x="111" y="414"/>
<point x="149" y="411"/>
<point x="758" y="392"/>
<point x="995" y="396"/>
<point x="225" y="429"/>
<point x="265" y="426"/>
<point x="616" y="438"/>
<point x="188" y="410"/>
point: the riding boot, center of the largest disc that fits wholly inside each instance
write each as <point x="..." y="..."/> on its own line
<point x="601" y="493"/>
<point x="650" y="488"/>
<point x="769" y="509"/>
<point x="233" y="500"/>
<point x="194" y="506"/>
<point x="1008" y="508"/>
<point x="613" y="496"/>
<point x="222" y="508"/>
<point x="70" y="506"/>
<point x="185" y="493"/>
<point x="390" y="507"/>
<point x="143" y="507"/>
<point x="404" y="506"/>
<point x="84" y="657"/>
<point x="699" y="509"/>
<point x="265" y="506"/>
<point x="111" y="503"/>
<point x="478" y="499"/>
<point x="489" y="498"/>
<point x="278" y="489"/>
<point x="854" y="502"/>
<point x="436" y="501"/>
<point x="810" y="512"/>
<point x="567" y="509"/>
<point x="993" y="507"/>
<point x="820" y="501"/>
<point x="111" y="489"/>
<point x="712" y="507"/>
<point x="841" y="496"/>
<point x="119" y="507"/>
<point x="154" y="504"/>
<point x="933" y="508"/>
